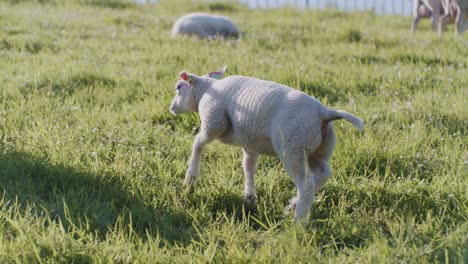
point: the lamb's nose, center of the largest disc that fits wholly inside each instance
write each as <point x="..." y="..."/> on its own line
<point x="172" y="110"/>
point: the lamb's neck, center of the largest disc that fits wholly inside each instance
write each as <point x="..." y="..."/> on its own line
<point x="201" y="90"/>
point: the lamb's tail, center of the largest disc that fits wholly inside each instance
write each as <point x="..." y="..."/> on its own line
<point x="330" y="115"/>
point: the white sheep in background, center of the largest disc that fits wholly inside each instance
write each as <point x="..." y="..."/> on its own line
<point x="267" y="118"/>
<point x="426" y="8"/>
<point x="205" y="26"/>
<point x="457" y="10"/>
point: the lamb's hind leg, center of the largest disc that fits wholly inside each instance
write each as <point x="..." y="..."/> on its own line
<point x="321" y="170"/>
<point x="318" y="162"/>
<point x="305" y="184"/>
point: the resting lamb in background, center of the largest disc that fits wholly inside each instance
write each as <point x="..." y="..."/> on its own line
<point x="205" y="26"/>
<point x="262" y="117"/>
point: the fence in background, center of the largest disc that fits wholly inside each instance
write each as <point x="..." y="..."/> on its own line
<point x="380" y="7"/>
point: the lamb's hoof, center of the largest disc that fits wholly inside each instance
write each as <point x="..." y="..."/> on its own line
<point x="190" y="180"/>
<point x="300" y="221"/>
<point x="250" y="202"/>
<point x="290" y="207"/>
<point x="189" y="185"/>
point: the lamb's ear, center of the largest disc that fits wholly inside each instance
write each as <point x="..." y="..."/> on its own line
<point x="185" y="76"/>
<point x="218" y="74"/>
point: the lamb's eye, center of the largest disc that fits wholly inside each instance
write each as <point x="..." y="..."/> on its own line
<point x="177" y="87"/>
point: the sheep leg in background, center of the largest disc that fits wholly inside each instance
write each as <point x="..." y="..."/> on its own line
<point x="435" y="20"/>
<point x="249" y="164"/>
<point x="415" y="24"/>
<point x="460" y="20"/>
<point x="426" y="8"/>
<point x="421" y="9"/>
<point x="435" y="7"/>
<point x="201" y="139"/>
<point x="443" y="21"/>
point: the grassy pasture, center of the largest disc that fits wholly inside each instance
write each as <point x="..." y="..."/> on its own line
<point x="92" y="162"/>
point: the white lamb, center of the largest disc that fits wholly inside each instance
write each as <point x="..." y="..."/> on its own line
<point x="426" y="8"/>
<point x="457" y="9"/>
<point x="205" y="26"/>
<point x="263" y="118"/>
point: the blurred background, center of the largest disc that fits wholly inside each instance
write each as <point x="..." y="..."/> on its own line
<point x="381" y="7"/>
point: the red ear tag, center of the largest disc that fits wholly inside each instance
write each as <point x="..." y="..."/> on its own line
<point x="184" y="76"/>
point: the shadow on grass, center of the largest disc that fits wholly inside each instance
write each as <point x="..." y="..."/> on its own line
<point x="99" y="202"/>
<point x="114" y="4"/>
<point x="68" y="86"/>
<point x="390" y="168"/>
<point x="413" y="200"/>
<point x="224" y="202"/>
<point x="447" y="122"/>
<point x="366" y="59"/>
<point x="95" y="202"/>
<point x="27" y="45"/>
<point x="426" y="60"/>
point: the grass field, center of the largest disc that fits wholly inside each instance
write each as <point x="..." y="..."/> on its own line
<point x="92" y="162"/>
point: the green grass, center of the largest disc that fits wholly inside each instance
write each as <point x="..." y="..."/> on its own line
<point x="92" y="162"/>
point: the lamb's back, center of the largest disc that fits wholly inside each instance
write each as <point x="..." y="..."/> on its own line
<point x="201" y="24"/>
<point x="254" y="107"/>
<point x="251" y="100"/>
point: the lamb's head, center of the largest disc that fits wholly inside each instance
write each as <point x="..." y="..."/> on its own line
<point x="184" y="100"/>
<point x="188" y="90"/>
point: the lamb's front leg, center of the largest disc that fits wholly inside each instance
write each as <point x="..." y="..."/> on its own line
<point x="201" y="139"/>
<point x="249" y="164"/>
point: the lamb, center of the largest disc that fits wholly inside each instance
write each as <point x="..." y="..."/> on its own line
<point x="457" y="9"/>
<point x="264" y="118"/>
<point x="205" y="26"/>
<point x="426" y="8"/>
